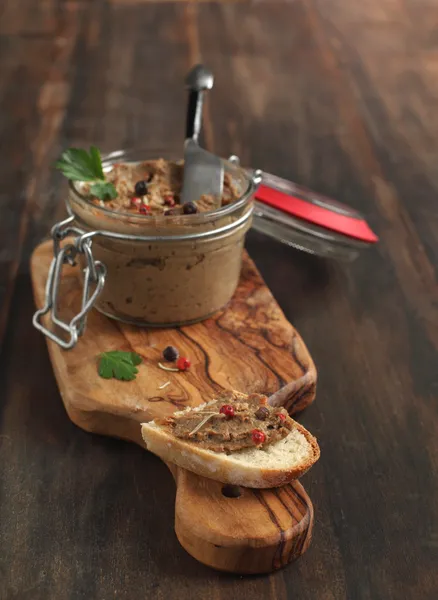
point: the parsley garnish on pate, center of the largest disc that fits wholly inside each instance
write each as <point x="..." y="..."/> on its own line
<point x="79" y="165"/>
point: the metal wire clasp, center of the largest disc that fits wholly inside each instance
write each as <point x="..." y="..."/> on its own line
<point x="94" y="275"/>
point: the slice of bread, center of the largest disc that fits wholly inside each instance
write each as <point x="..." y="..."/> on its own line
<point x="275" y="465"/>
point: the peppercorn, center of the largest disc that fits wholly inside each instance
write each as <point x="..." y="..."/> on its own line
<point x="170" y="353"/>
<point x="183" y="363"/>
<point x="141" y="188"/>
<point x="227" y="410"/>
<point x="190" y="208"/>
<point x="258" y="437"/>
<point x="262" y="413"/>
<point x="169" y="200"/>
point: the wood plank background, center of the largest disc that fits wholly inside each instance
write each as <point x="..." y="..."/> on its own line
<point x="339" y="96"/>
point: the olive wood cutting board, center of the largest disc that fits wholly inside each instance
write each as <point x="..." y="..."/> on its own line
<point x="250" y="347"/>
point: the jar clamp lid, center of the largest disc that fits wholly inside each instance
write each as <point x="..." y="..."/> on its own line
<point x="309" y="221"/>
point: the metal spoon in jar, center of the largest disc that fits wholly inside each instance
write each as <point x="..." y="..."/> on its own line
<point x="203" y="171"/>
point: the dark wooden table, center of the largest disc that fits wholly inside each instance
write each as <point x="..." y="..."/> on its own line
<point x="338" y="95"/>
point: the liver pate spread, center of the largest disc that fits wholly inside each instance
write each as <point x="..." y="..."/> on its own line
<point x="232" y="423"/>
<point x="154" y="187"/>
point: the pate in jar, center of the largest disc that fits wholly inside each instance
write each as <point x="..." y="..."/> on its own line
<point x="166" y="264"/>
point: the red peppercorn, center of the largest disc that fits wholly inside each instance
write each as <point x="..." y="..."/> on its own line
<point x="169" y="200"/>
<point x="227" y="410"/>
<point x="135" y="202"/>
<point x="144" y="209"/>
<point x="183" y="363"/>
<point x="258" y="437"/>
<point x="282" y="417"/>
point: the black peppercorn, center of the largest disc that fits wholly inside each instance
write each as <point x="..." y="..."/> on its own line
<point x="170" y="353"/>
<point x="189" y="208"/>
<point x="141" y="188"/>
<point x="262" y="413"/>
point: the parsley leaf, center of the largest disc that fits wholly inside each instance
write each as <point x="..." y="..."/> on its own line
<point x="97" y="161"/>
<point x="104" y="190"/>
<point x="118" y="364"/>
<point x="79" y="165"/>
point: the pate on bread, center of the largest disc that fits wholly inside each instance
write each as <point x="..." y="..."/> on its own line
<point x="237" y="439"/>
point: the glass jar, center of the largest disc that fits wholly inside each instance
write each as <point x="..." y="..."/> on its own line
<point x="154" y="270"/>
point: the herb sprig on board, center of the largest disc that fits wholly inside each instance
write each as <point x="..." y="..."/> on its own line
<point x="118" y="364"/>
<point x="79" y="165"/>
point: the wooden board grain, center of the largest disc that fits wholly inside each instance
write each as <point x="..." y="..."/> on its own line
<point x="250" y="347"/>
